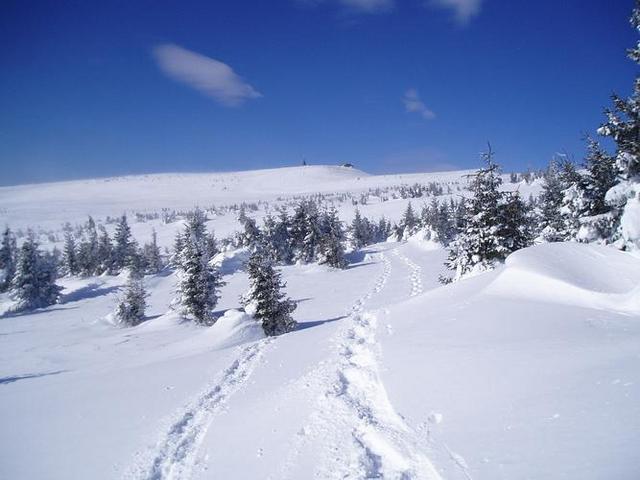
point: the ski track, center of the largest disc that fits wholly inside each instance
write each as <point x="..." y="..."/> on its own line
<point x="364" y="436"/>
<point x="175" y="455"/>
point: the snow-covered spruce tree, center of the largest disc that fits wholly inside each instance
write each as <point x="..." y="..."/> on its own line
<point x="275" y="238"/>
<point x="480" y="245"/>
<point x="151" y="254"/>
<point x="69" y="255"/>
<point x="123" y="245"/>
<point x="551" y="225"/>
<point x="250" y="234"/>
<point x="87" y="256"/>
<point x="516" y="227"/>
<point x="409" y="222"/>
<point x="178" y="245"/>
<point x="331" y="248"/>
<point x="601" y="176"/>
<point x="130" y="310"/>
<point x="34" y="283"/>
<point x="8" y="259"/>
<point x="360" y="231"/>
<point x="104" y="253"/>
<point x="382" y="230"/>
<point x="623" y="126"/>
<point x="136" y="262"/>
<point x="198" y="280"/>
<point x="266" y="299"/>
<point x="305" y="231"/>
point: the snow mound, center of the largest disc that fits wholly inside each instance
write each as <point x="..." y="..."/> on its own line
<point x="573" y="274"/>
<point x="235" y="327"/>
<point x="231" y="261"/>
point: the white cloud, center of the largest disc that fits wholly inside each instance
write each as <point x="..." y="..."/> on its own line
<point x="464" y="10"/>
<point x="368" y="6"/>
<point x="207" y="75"/>
<point x="359" y="6"/>
<point x="413" y="104"/>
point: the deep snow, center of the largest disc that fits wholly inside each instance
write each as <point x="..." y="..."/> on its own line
<point x="530" y="371"/>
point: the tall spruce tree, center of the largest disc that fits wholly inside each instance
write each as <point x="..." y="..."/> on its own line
<point x="198" y="280"/>
<point x="123" y="245"/>
<point x="331" y="249"/>
<point x="266" y="298"/>
<point x="69" y="255"/>
<point x="623" y="126"/>
<point x="515" y="223"/>
<point x="481" y="244"/>
<point x="360" y="231"/>
<point x="104" y="252"/>
<point x="87" y="256"/>
<point x="130" y="310"/>
<point x="8" y="259"/>
<point x="33" y="285"/>
<point x="151" y="254"/>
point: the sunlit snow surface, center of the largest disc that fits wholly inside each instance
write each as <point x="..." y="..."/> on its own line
<point x="531" y="371"/>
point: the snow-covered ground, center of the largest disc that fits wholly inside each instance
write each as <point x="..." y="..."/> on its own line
<point x="531" y="371"/>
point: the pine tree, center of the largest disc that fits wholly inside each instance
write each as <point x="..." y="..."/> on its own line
<point x="481" y="245"/>
<point x="104" y="253"/>
<point x="266" y="298"/>
<point x="360" y="231"/>
<point x="151" y="253"/>
<point x="130" y="310"/>
<point x="8" y="259"/>
<point x="275" y="238"/>
<point x="623" y="126"/>
<point x="124" y="247"/>
<point x="305" y="231"/>
<point x="198" y="280"/>
<point x="601" y="177"/>
<point x="515" y="224"/>
<point x="33" y="285"/>
<point x="87" y="256"/>
<point x="70" y="262"/>
<point x="250" y="235"/>
<point x="331" y="249"/>
<point x="409" y="222"/>
<point x="552" y="223"/>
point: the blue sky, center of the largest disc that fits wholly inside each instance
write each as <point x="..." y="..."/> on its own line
<point x="107" y="88"/>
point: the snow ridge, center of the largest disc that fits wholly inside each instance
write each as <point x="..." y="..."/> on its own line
<point x="175" y="455"/>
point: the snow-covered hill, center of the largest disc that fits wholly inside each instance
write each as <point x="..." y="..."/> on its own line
<point x="529" y="371"/>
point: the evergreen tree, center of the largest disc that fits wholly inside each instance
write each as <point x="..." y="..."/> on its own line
<point x="275" y="238"/>
<point x="601" y="177"/>
<point x="331" y="249"/>
<point x="178" y="245"/>
<point x="104" y="253"/>
<point x="130" y="310"/>
<point x="124" y="247"/>
<point x="552" y="223"/>
<point x="265" y="298"/>
<point x="33" y="285"/>
<point x="360" y="231"/>
<point x="151" y="253"/>
<point x="305" y="231"/>
<point x="198" y="280"/>
<point x="623" y="126"/>
<point x="250" y="235"/>
<point x="70" y="262"/>
<point x="515" y="224"/>
<point x="8" y="259"/>
<point x="409" y="222"/>
<point x="481" y="244"/>
<point x="87" y="256"/>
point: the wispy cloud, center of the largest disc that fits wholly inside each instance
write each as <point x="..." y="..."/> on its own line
<point x="356" y="6"/>
<point x="413" y="104"/>
<point x="210" y="77"/>
<point x="464" y="10"/>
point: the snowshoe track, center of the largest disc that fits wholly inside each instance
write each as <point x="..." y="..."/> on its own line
<point x="415" y="273"/>
<point x="175" y="455"/>
<point x="382" y="445"/>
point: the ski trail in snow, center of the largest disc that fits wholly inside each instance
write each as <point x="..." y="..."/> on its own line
<point x="175" y="455"/>
<point x="415" y="273"/>
<point x="369" y="439"/>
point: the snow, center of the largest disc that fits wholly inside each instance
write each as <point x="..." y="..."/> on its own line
<point x="528" y="371"/>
